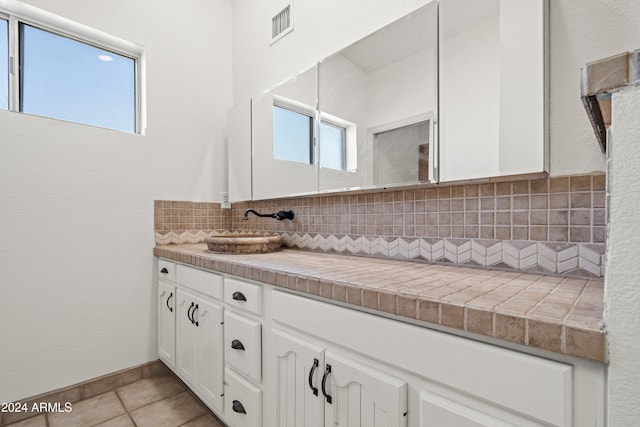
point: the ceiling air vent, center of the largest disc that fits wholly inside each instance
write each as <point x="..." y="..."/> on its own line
<point x="281" y="24"/>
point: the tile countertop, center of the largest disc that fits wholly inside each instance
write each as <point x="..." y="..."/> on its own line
<point x="559" y="314"/>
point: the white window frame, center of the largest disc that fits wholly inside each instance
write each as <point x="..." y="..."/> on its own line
<point x="17" y="12"/>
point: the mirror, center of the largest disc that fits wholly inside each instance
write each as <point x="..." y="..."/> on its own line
<point x="377" y="103"/>
<point x="492" y="88"/>
<point x="453" y="91"/>
<point x="283" y="138"/>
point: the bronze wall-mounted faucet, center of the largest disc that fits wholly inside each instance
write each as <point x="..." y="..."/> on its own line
<point x="277" y="215"/>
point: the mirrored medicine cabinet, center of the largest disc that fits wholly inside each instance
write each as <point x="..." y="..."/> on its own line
<point x="453" y="91"/>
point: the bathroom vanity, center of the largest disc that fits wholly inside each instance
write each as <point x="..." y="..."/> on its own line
<point x="303" y="338"/>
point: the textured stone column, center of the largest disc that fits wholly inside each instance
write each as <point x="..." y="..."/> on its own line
<point x="622" y="281"/>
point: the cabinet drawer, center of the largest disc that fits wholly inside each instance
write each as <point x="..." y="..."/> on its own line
<point x="202" y="281"/>
<point x="243" y="401"/>
<point x="244" y="295"/>
<point x="243" y="344"/>
<point x="167" y="270"/>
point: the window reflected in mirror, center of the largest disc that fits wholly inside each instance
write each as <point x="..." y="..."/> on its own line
<point x="284" y="158"/>
<point x="401" y="154"/>
<point x="332" y="150"/>
<point x="292" y="135"/>
<point x="385" y="81"/>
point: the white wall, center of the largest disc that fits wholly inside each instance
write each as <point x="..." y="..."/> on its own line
<point x="622" y="287"/>
<point x="580" y="32"/>
<point x="76" y="202"/>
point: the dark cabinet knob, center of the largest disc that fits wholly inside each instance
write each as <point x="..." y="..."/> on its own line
<point x="238" y="296"/>
<point x="238" y="407"/>
<point x="237" y="345"/>
<point x="164" y="270"/>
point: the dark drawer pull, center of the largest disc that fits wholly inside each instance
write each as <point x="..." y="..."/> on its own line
<point x="313" y="369"/>
<point x="327" y="371"/>
<point x="237" y="345"/>
<point x="169" y="307"/>
<point x="238" y="407"/>
<point x="191" y="307"/>
<point x="238" y="296"/>
<point x="193" y="315"/>
<point x="164" y="270"/>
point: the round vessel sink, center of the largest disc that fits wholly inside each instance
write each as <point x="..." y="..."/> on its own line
<point x="243" y="244"/>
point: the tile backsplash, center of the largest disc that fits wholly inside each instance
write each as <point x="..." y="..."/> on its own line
<point x="179" y="216"/>
<point x="554" y="225"/>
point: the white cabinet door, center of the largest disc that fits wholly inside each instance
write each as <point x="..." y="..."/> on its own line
<point x="208" y="318"/>
<point x="199" y="352"/>
<point x="299" y="367"/>
<point x="167" y="323"/>
<point x="186" y="336"/>
<point x="358" y="395"/>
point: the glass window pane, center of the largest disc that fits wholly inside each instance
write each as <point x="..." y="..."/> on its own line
<point x="70" y="80"/>
<point x="292" y="135"/>
<point x="4" y="64"/>
<point x="332" y="140"/>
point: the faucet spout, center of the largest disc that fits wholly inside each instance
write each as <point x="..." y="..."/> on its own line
<point x="246" y="214"/>
<point x="277" y="215"/>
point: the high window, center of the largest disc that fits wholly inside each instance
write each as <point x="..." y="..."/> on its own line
<point x="66" y="74"/>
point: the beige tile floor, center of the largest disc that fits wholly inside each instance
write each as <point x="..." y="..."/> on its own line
<point x="160" y="401"/>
